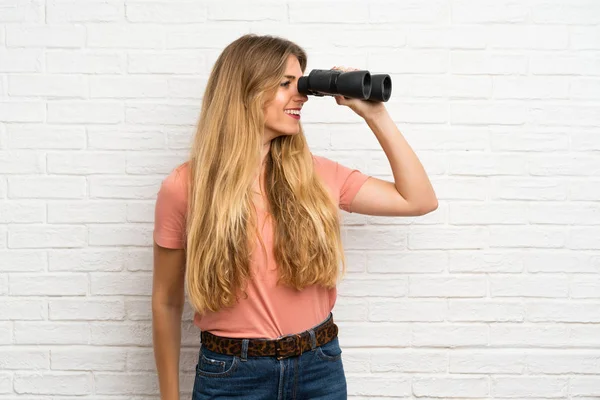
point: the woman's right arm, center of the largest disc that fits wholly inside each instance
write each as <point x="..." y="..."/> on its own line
<point x="167" y="307"/>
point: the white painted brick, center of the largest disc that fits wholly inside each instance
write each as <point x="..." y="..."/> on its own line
<point x="104" y="259"/>
<point x="86" y="212"/>
<point x="22" y="212"/>
<point x="3" y="284"/>
<point x="140" y="212"/>
<point x="477" y="114"/>
<point x="125" y="138"/>
<point x="453" y="37"/>
<point x="460" y="188"/>
<point x="564" y="165"/>
<point x="85" y="112"/>
<point x="6" y="333"/>
<point x="3" y="236"/>
<point x="172" y="62"/>
<point x="507" y="87"/>
<point x="564" y="362"/>
<point x="21" y="60"/>
<point x="487" y="63"/>
<point x="555" y="286"/>
<point x="91" y="11"/>
<point x="487" y="362"/>
<point x="120" y="235"/>
<point x="586" y="286"/>
<point x="447" y="238"/>
<point x="84" y="163"/>
<point x="536" y="335"/>
<point x="408" y="361"/>
<point x="404" y="263"/>
<point x="49" y="187"/>
<point x="585" y="385"/>
<point x="565" y="214"/>
<point x="462" y="310"/>
<point x="526" y="188"/>
<point x="350" y="309"/>
<point x="82" y="310"/>
<point x="121" y="334"/>
<point x="566" y="64"/>
<point x="498" y="213"/>
<point x="33" y="136"/>
<point x="21" y="162"/>
<point x="329" y="11"/>
<point x="143" y="359"/>
<point x="585" y="37"/>
<point x="442" y="286"/>
<point x="49" y="285"/>
<point x="584" y="238"/>
<point x="21" y="358"/>
<point x="167" y="12"/>
<point x="46" y="86"/>
<point x="375" y="238"/>
<point x="465" y="11"/>
<point x="128" y="87"/>
<point x="240" y="11"/>
<point x="585" y="12"/>
<point x="516" y="386"/>
<point x="103" y="284"/>
<point x="22" y="309"/>
<point x="485" y="261"/>
<point x="527" y="236"/>
<point x="585" y="141"/>
<point x="138" y="310"/>
<point x="517" y="140"/>
<point x="160" y="114"/>
<point x="419" y="12"/>
<point x="53" y="383"/>
<point x="145" y="164"/>
<point x="92" y="62"/>
<point x="23" y="11"/>
<point x="107" y="384"/>
<point x="444" y="335"/>
<point x="561" y="262"/>
<point x="194" y="36"/>
<point x="407" y="310"/>
<point x="527" y="37"/>
<point x="450" y="386"/>
<point x="69" y="333"/>
<point x="22" y="261"/>
<point x="409" y="61"/>
<point x="374" y="385"/>
<point x="22" y="111"/>
<point x="88" y="359"/>
<point x="138" y="188"/>
<point x="390" y="287"/>
<point x="563" y="311"/>
<point x="40" y="236"/>
<point x="6" y="384"/>
<point x="47" y="36"/>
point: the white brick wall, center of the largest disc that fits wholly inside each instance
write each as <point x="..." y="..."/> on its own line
<point x="496" y="295"/>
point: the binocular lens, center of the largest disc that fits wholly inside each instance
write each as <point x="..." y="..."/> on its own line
<point x="353" y="84"/>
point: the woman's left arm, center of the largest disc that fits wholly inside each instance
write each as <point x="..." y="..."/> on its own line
<point x="412" y="193"/>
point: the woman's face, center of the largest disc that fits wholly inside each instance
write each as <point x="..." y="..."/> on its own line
<point x="282" y="113"/>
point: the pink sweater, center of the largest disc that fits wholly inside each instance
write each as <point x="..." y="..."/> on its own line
<point x="270" y="311"/>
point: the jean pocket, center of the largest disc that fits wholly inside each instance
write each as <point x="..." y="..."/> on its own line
<point x="213" y="364"/>
<point x="330" y="351"/>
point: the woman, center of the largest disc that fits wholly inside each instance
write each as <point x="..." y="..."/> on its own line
<point x="251" y="224"/>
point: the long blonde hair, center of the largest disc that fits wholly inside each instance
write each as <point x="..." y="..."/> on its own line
<point x="224" y="161"/>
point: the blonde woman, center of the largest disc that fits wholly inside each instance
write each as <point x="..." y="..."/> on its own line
<point x="251" y="225"/>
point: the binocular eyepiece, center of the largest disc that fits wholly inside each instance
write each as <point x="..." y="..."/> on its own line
<point x="353" y="84"/>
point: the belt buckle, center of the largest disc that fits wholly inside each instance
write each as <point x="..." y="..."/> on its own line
<point x="296" y="338"/>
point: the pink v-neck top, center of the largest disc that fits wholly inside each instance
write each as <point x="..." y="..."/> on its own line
<point x="270" y="310"/>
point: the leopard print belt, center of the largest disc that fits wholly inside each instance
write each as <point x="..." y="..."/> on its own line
<point x="282" y="347"/>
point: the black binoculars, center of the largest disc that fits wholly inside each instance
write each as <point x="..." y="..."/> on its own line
<point x="353" y="84"/>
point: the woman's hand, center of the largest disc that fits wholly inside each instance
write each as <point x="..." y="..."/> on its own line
<point x="364" y="108"/>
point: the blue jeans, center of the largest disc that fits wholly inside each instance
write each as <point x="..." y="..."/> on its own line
<point x="316" y="374"/>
